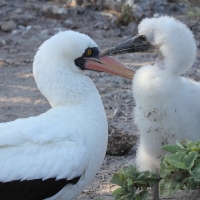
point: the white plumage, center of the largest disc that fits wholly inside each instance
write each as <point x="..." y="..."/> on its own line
<point x="167" y="104"/>
<point x="69" y="140"/>
<point x="58" y="153"/>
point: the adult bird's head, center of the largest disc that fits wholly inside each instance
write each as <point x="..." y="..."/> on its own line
<point x="60" y="61"/>
<point x="171" y="38"/>
<point x="75" y="48"/>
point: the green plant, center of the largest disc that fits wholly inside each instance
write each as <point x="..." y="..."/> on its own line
<point x="181" y="169"/>
<point x="178" y="171"/>
<point x="192" y="11"/>
<point x="125" y="16"/>
<point x="133" y="184"/>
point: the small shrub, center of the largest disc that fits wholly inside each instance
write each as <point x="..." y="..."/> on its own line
<point x="133" y="184"/>
<point x="178" y="171"/>
<point x="181" y="169"/>
<point x="125" y="16"/>
<point x="192" y="11"/>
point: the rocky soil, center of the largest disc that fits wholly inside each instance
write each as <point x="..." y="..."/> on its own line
<point x="24" y="25"/>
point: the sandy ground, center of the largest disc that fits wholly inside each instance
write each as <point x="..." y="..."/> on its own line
<point x="20" y="98"/>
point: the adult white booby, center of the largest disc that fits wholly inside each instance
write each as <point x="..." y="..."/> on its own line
<point x="167" y="104"/>
<point x="58" y="153"/>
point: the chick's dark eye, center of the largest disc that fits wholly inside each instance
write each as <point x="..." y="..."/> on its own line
<point x="89" y="52"/>
<point x="143" y="38"/>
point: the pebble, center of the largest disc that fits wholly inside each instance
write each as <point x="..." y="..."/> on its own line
<point x="81" y="10"/>
<point x="2" y="42"/>
<point x="98" y="24"/>
<point x="70" y="24"/>
<point x="132" y="28"/>
<point x="105" y="27"/>
<point x="54" y="11"/>
<point x="8" y="26"/>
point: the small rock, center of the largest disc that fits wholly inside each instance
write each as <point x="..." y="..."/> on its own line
<point x="21" y="27"/>
<point x="2" y="42"/>
<point x="117" y="32"/>
<point x="54" y="11"/>
<point x="14" y="32"/>
<point x="81" y="10"/>
<point x="28" y="28"/>
<point x="105" y="27"/>
<point x="98" y="25"/>
<point x="128" y="100"/>
<point x="19" y="11"/>
<point x="132" y="27"/>
<point x="8" y="25"/>
<point x="120" y="142"/>
<point x="156" y="15"/>
<point x="69" y="24"/>
<point x="126" y="37"/>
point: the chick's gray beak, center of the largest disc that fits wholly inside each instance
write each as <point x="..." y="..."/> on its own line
<point x="138" y="43"/>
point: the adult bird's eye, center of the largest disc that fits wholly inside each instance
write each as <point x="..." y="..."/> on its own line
<point x="143" y="38"/>
<point x="89" y="52"/>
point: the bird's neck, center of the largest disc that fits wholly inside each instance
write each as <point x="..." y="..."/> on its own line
<point x="73" y="91"/>
<point x="175" y="60"/>
<point x="65" y="87"/>
<point x="160" y="61"/>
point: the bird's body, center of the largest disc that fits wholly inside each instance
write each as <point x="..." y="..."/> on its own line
<point x="57" y="154"/>
<point x="38" y="153"/>
<point x="167" y="104"/>
<point x="61" y="143"/>
<point x="166" y="110"/>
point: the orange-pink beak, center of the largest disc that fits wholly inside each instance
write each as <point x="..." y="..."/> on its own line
<point x="109" y="65"/>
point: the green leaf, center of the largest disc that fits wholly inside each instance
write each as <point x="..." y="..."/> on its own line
<point x="138" y="197"/>
<point x="166" y="167"/>
<point x="140" y="183"/>
<point x="163" y="188"/>
<point x="179" y="144"/>
<point x="182" y="183"/>
<point x="116" y="180"/>
<point x="171" y="148"/>
<point x="133" y="192"/>
<point x="197" y="162"/>
<point x="152" y="180"/>
<point x="189" y="160"/>
<point x="118" y="191"/>
<point x="177" y="160"/>
<point x="144" y="195"/>
<point x="168" y="187"/>
<point x="131" y="196"/>
<point x="129" y="182"/>
<point x="196" y="173"/>
<point x="180" y="165"/>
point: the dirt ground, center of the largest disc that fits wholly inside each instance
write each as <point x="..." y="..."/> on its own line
<point x="34" y="22"/>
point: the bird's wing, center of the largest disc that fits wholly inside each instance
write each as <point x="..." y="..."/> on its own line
<point x="33" y="171"/>
<point x="44" y="128"/>
<point x="39" y="149"/>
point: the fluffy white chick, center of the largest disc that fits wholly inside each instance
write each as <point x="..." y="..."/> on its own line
<point x="167" y="104"/>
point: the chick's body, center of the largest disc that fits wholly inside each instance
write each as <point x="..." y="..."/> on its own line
<point x="166" y="110"/>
